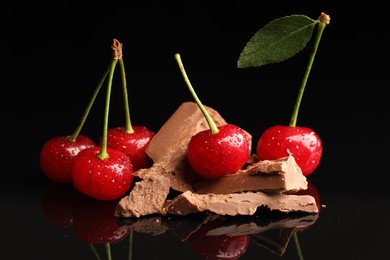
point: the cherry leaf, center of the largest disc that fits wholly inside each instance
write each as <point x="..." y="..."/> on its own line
<point x="277" y="41"/>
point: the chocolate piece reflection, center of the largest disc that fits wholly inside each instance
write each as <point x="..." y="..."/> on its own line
<point x="270" y="231"/>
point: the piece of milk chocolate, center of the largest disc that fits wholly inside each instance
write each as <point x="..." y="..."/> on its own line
<point x="282" y="175"/>
<point x="147" y="197"/>
<point x="245" y="203"/>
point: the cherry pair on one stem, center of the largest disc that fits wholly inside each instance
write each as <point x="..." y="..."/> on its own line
<point x="101" y="172"/>
<point x="129" y="139"/>
<point x="217" y="151"/>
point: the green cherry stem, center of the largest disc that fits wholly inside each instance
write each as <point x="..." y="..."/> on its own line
<point x="92" y="246"/>
<point x="103" y="149"/>
<point x="77" y="131"/>
<point x="213" y="127"/>
<point x="323" y="20"/>
<point x="298" y="246"/>
<point x="108" y="251"/>
<point x="128" y="125"/>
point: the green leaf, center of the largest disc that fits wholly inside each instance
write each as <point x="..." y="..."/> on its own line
<point x="277" y="41"/>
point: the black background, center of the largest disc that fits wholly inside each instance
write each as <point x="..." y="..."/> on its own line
<point x="53" y="55"/>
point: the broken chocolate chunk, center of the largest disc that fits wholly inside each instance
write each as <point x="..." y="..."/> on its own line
<point x="147" y="197"/>
<point x="246" y="203"/>
<point x="282" y="175"/>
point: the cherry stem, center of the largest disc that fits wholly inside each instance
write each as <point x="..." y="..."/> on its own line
<point x="108" y="251"/>
<point x="77" y="131"/>
<point x="94" y="251"/>
<point x="103" y="149"/>
<point x="213" y="127"/>
<point x="323" y="20"/>
<point x="128" y="125"/>
<point x="297" y="246"/>
<point x="131" y="245"/>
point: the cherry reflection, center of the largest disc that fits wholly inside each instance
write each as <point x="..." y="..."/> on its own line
<point x="60" y="202"/>
<point x="217" y="247"/>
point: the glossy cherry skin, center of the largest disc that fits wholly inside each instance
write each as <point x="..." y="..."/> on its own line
<point x="217" y="247"/>
<point x="301" y="142"/>
<point x="216" y="155"/>
<point x="57" y="155"/>
<point x="102" y="179"/>
<point x="96" y="223"/>
<point x="131" y="144"/>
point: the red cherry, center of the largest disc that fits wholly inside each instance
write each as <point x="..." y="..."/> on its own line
<point x="131" y="144"/>
<point x="96" y="224"/>
<point x="102" y="179"/>
<point x="279" y="141"/>
<point x="217" y="247"/>
<point x="300" y="142"/>
<point x="215" y="155"/>
<point x="218" y="151"/>
<point x="57" y="155"/>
